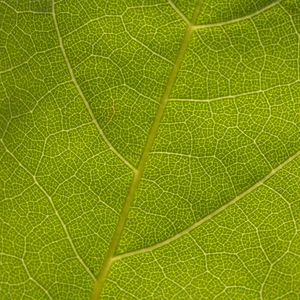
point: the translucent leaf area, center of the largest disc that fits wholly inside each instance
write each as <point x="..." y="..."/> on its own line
<point x="149" y="149"/>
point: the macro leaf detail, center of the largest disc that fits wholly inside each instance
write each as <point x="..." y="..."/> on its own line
<point x="150" y="149"/>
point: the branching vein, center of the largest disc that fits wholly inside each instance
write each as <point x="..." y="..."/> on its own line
<point x="55" y="211"/>
<point x="86" y="103"/>
<point x="143" y="160"/>
<point x="196" y="27"/>
<point x="213" y="214"/>
<point x="181" y="15"/>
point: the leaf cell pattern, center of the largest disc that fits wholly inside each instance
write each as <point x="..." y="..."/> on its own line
<point x="150" y="149"/>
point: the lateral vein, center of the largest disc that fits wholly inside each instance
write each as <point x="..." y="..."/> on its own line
<point x="181" y="15"/>
<point x="212" y="214"/>
<point x="197" y="27"/>
<point x="250" y="93"/>
<point x="86" y="103"/>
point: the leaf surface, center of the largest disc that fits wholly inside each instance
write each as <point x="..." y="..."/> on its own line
<point x="150" y="149"/>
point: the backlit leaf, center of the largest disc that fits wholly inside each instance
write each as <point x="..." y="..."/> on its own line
<point x="149" y="149"/>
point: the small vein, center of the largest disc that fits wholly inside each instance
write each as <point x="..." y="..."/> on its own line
<point x="233" y="96"/>
<point x="25" y="11"/>
<point x="211" y="215"/>
<point x="27" y="272"/>
<point x="199" y="158"/>
<point x="34" y="281"/>
<point x="197" y="27"/>
<point x="111" y="147"/>
<point x="297" y="33"/>
<point x="144" y="45"/>
<point x="181" y="15"/>
<point x="55" y="211"/>
<point x="273" y="190"/>
<point x="182" y="288"/>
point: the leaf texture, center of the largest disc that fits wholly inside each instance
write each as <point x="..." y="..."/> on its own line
<point x="150" y="149"/>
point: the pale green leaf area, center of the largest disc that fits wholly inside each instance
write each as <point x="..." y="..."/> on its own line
<point x="149" y="149"/>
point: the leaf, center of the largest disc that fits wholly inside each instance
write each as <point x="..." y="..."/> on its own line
<point x="150" y="149"/>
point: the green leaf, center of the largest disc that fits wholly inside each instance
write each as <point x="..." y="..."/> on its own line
<point x="149" y="149"/>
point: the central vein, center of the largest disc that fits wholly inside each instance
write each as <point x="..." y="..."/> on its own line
<point x="143" y="160"/>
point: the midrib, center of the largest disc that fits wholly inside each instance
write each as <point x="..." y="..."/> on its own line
<point x="98" y="286"/>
